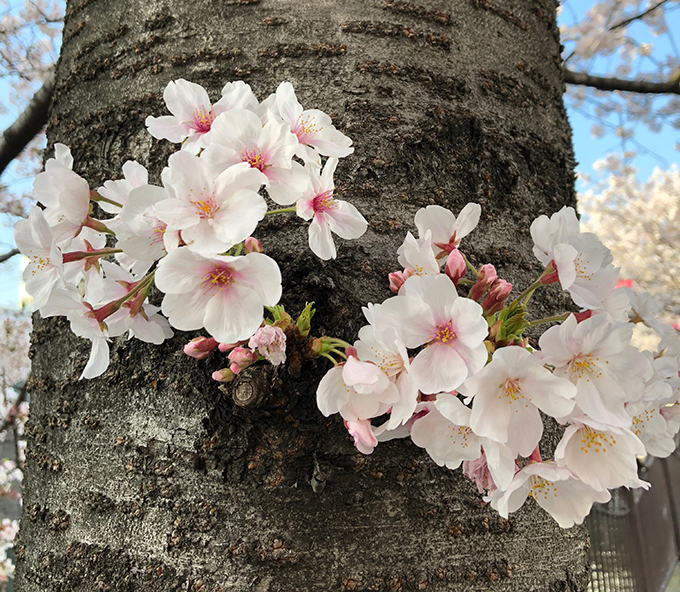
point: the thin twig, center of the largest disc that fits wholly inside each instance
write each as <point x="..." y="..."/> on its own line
<point x="636" y="86"/>
<point x="643" y="14"/>
<point x="5" y="256"/>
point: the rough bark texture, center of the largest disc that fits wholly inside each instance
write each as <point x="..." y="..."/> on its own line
<point x="151" y="478"/>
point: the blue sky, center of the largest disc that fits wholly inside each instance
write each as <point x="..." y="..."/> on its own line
<point x="658" y="149"/>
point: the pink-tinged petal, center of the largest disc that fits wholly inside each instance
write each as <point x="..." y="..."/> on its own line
<point x="305" y="206"/>
<point x="98" y="361"/>
<point x="355" y="372"/>
<point x="438" y="220"/>
<point x="177" y="213"/>
<point x="220" y="158"/>
<point x="438" y="368"/>
<point x="287" y="103"/>
<point x="453" y="409"/>
<point x="332" y="394"/>
<point x="346" y="221"/>
<point x="261" y="274"/>
<point x="411" y="318"/>
<point x="183" y="98"/>
<point x="185" y="312"/>
<point x="364" y="439"/>
<point x="437" y="292"/>
<point x="469" y="324"/>
<point x="189" y="175"/>
<point x="279" y="143"/>
<point x="238" y="217"/>
<point x="180" y="272"/>
<point x="404" y="408"/>
<point x="491" y="414"/>
<point x="167" y="127"/>
<point x="320" y="239"/>
<point x="331" y="142"/>
<point x="551" y="394"/>
<point x="234" y="314"/>
<point x="150" y="331"/>
<point x="236" y="129"/>
<point x="500" y="461"/>
<point x="74" y="199"/>
<point x="467" y="220"/>
<point x="139" y="200"/>
<point x="236" y="95"/>
<point x="239" y="176"/>
<point x="565" y="256"/>
<point x="286" y="186"/>
<point x="446" y="443"/>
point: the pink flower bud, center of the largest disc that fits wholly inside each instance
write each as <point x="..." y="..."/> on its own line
<point x="364" y="439"/>
<point x="200" y="347"/>
<point x="224" y="375"/>
<point x="583" y="315"/>
<point x="487" y="276"/>
<point x="225" y="347"/>
<point x="234" y="368"/>
<point x="551" y="276"/>
<point x="253" y="245"/>
<point x="496" y="296"/>
<point x="397" y="279"/>
<point x="242" y="357"/>
<point x="455" y="266"/>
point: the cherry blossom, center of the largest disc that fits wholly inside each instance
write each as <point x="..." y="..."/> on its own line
<point x="431" y="312"/>
<point x="313" y="128"/>
<point x="328" y="214"/>
<point x="507" y="395"/>
<point x="356" y="390"/>
<point x="567" y="499"/>
<point x="193" y="114"/>
<point x="447" y="230"/>
<point x="212" y="214"/>
<point x="239" y="136"/>
<point x="198" y="290"/>
<point x="270" y="342"/>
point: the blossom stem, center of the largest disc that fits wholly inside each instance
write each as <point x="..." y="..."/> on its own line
<point x="529" y="291"/>
<point x="281" y="211"/>
<point x="337" y="342"/>
<point x="557" y="318"/>
<point x="335" y="363"/>
<point x="108" y="309"/>
<point x="466" y="282"/>
<point x="79" y="255"/>
<point x="469" y="265"/>
<point x="94" y="196"/>
<point x="339" y="353"/>
<point x="98" y="226"/>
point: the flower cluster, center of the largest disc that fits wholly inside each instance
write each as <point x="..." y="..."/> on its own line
<point x="473" y="391"/>
<point x="192" y="236"/>
<point x="444" y="361"/>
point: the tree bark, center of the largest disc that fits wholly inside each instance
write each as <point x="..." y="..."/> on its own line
<point x="151" y="477"/>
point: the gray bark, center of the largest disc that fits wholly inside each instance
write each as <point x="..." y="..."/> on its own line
<point x="150" y="477"/>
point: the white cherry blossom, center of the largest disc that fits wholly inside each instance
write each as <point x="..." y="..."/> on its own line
<point x="446" y="230"/>
<point x="328" y="214"/>
<point x="193" y="114"/>
<point x="567" y="499"/>
<point x="240" y="136"/>
<point x="430" y="312"/>
<point x="507" y="395"/>
<point x="313" y="128"/>
<point x="224" y="294"/>
<point x="212" y="214"/>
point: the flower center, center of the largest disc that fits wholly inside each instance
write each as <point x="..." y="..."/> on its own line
<point x="217" y="278"/>
<point x="461" y="433"/>
<point x="582" y="268"/>
<point x="512" y="390"/>
<point x="584" y="365"/>
<point x="324" y="202"/>
<point x="41" y="262"/>
<point x="158" y="232"/>
<point x="206" y="207"/>
<point x="203" y="118"/>
<point x="306" y="128"/>
<point x="640" y="421"/>
<point x="254" y="158"/>
<point x="444" y="334"/>
<point x="594" y="441"/>
<point x="541" y="487"/>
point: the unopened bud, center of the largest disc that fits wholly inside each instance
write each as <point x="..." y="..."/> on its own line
<point x="496" y="297"/>
<point x="225" y="347"/>
<point x="224" y="375"/>
<point x="304" y="321"/>
<point x="200" y="347"/>
<point x="487" y="276"/>
<point x="455" y="266"/>
<point x="551" y="276"/>
<point x="242" y="357"/>
<point x="397" y="279"/>
<point x="253" y="245"/>
<point x="583" y="315"/>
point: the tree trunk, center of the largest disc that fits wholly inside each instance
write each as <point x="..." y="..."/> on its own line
<point x="150" y="477"/>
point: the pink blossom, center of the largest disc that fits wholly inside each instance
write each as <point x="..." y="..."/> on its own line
<point x="364" y="439"/>
<point x="270" y="341"/>
<point x="456" y="268"/>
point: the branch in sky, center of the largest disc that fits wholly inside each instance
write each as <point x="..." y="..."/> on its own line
<point x="27" y="125"/>
<point x="5" y="256"/>
<point x="628" y="21"/>
<point x="638" y="86"/>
